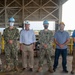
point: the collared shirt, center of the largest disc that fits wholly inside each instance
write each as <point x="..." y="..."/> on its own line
<point x="27" y="37"/>
<point x="73" y="35"/>
<point x="61" y="37"/>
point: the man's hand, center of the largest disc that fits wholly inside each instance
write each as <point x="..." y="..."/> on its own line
<point x="10" y="41"/>
<point x="21" y="46"/>
<point x="33" y="46"/>
<point x="61" y="45"/>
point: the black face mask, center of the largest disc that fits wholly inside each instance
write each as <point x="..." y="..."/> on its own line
<point x="45" y="26"/>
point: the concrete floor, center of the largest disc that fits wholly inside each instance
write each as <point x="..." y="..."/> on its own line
<point x="45" y="68"/>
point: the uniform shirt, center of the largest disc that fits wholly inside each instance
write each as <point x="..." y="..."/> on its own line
<point x="73" y="35"/>
<point x="27" y="37"/>
<point x="11" y="34"/>
<point x="61" y="37"/>
<point x="0" y="38"/>
<point x="45" y="37"/>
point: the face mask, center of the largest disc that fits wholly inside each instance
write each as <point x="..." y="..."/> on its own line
<point x="11" y="23"/>
<point x="45" y="26"/>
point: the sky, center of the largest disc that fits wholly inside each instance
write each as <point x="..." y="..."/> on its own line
<point x="68" y="15"/>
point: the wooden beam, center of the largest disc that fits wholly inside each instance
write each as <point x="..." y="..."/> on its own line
<point x="28" y="3"/>
<point x="17" y="2"/>
<point x="22" y="11"/>
<point x="54" y="2"/>
<point x="10" y="3"/>
<point x="1" y="4"/>
<point x="32" y="14"/>
<point x="5" y="14"/>
<point x="2" y="10"/>
<point x="49" y="13"/>
<point x="50" y="7"/>
<point x="36" y="3"/>
<point x="17" y="12"/>
<point x="13" y="7"/>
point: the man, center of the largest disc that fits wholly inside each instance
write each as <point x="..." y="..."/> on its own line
<point x="27" y="40"/>
<point x="0" y="41"/>
<point x="45" y="40"/>
<point x="0" y="52"/>
<point x="73" y="61"/>
<point x="11" y="34"/>
<point x="61" y="39"/>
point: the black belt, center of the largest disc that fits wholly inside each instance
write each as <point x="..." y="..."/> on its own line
<point x="27" y="44"/>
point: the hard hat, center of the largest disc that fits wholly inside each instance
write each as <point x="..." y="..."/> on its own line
<point x="62" y="23"/>
<point x="45" y="22"/>
<point x="27" y="22"/>
<point x="11" y="19"/>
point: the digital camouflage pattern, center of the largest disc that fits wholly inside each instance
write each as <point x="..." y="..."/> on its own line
<point x="0" y="42"/>
<point x="11" y="50"/>
<point x="45" y="37"/>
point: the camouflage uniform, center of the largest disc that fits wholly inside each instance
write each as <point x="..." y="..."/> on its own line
<point x="0" y="51"/>
<point x="0" y="42"/>
<point x="11" y="50"/>
<point x="45" y="37"/>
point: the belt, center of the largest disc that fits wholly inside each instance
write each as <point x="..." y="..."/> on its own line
<point x="27" y="44"/>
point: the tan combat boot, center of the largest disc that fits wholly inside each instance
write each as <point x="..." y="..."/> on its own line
<point x="50" y="70"/>
<point x="16" y="68"/>
<point x="8" y="68"/>
<point x="39" y="69"/>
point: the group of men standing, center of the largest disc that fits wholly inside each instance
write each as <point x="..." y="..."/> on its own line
<point x="27" y="45"/>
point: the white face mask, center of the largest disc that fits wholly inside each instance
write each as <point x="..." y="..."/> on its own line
<point x="11" y="23"/>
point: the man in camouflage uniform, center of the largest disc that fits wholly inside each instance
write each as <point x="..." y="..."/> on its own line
<point x="0" y="41"/>
<point x="45" y="39"/>
<point x="0" y="52"/>
<point x="73" y="60"/>
<point x="11" y="34"/>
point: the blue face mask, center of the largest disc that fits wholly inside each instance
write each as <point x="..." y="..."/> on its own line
<point x="11" y="24"/>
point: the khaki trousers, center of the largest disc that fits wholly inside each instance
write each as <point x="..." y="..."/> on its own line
<point x="27" y="51"/>
<point x="73" y="61"/>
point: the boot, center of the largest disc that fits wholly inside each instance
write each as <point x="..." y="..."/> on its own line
<point x="50" y="70"/>
<point x="39" y="69"/>
<point x="72" y="72"/>
<point x="8" y="68"/>
<point x="16" y="68"/>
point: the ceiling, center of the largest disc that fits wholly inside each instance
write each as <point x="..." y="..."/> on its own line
<point x="33" y="10"/>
